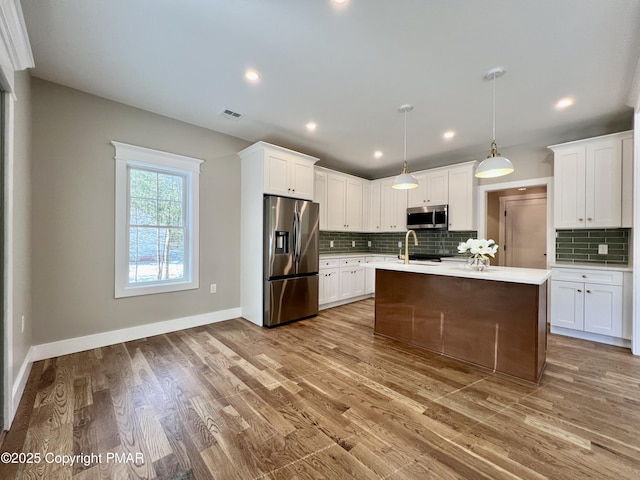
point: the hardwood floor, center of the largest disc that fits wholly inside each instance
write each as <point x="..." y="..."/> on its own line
<point x="323" y="398"/>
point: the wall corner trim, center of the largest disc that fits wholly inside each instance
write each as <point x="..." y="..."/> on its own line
<point x="88" y="342"/>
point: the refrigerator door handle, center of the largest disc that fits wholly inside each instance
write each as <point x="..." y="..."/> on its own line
<point x="297" y="238"/>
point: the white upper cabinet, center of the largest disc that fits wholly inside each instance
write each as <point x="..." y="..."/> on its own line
<point x="393" y="207"/>
<point x="336" y="199"/>
<point x="344" y="201"/>
<point x="462" y="195"/>
<point x="287" y="173"/>
<point x="354" y="205"/>
<point x="374" y="208"/>
<point x="433" y="188"/>
<point x="320" y="196"/>
<point x="588" y="183"/>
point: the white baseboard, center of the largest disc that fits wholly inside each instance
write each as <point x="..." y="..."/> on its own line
<point x="338" y="303"/>
<point x="593" y="337"/>
<point x="79" y="344"/>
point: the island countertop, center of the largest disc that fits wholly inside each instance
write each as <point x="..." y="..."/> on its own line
<point x="532" y="276"/>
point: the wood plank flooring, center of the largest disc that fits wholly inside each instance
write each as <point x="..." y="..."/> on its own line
<point x="323" y="398"/>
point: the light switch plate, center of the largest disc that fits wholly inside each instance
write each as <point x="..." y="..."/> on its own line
<point x="603" y="249"/>
<point x="330" y="243"/>
<point x="353" y="243"/>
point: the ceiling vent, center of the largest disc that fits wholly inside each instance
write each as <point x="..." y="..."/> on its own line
<point x="230" y="114"/>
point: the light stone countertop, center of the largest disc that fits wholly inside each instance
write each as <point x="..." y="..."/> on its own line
<point x="531" y="276"/>
<point x="355" y="254"/>
<point x="592" y="266"/>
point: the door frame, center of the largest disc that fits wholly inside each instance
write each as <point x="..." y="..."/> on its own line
<point x="483" y="191"/>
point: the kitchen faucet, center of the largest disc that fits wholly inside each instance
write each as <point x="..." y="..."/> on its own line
<point x="406" y="245"/>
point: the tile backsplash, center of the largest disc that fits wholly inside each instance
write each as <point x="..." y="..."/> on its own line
<point x="573" y="246"/>
<point x="581" y="245"/>
<point x="429" y="241"/>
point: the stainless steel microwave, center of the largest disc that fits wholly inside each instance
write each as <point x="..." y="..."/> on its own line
<point x="434" y="216"/>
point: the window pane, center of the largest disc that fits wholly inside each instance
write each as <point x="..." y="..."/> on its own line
<point x="169" y="213"/>
<point x="170" y="187"/>
<point x="142" y="183"/>
<point x="156" y="254"/>
<point x="143" y="211"/>
<point x="156" y="221"/>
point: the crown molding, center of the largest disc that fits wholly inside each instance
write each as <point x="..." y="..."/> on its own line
<point x="14" y="36"/>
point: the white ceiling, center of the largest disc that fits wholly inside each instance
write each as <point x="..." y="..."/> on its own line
<point x="349" y="69"/>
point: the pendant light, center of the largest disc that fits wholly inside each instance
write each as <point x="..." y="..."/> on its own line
<point x="405" y="180"/>
<point x="495" y="165"/>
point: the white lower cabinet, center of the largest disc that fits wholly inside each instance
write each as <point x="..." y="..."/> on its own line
<point x="342" y="279"/>
<point x="352" y="281"/>
<point x="329" y="281"/>
<point x="329" y="286"/>
<point x="590" y="301"/>
<point x="370" y="276"/>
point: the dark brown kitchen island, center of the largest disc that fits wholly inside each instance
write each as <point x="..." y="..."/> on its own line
<point x="495" y="319"/>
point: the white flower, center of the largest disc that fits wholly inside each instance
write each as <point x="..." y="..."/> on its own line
<point x="478" y="247"/>
<point x="463" y="247"/>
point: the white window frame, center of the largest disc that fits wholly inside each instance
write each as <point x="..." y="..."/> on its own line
<point x="128" y="156"/>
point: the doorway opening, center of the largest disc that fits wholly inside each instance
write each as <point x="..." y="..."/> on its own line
<point x="519" y="217"/>
<point x="516" y="218"/>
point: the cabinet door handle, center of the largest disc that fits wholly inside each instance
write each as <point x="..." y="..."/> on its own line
<point x="588" y="291"/>
<point x="589" y="219"/>
<point x="579" y="291"/>
<point x="584" y="276"/>
<point x="580" y="219"/>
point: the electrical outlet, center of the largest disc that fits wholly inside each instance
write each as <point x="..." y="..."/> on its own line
<point x="369" y="243"/>
<point x="353" y="243"/>
<point x="330" y="243"/>
<point x="213" y="288"/>
<point x="603" y="249"/>
<point x="399" y="244"/>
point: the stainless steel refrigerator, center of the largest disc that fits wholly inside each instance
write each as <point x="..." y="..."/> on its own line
<point x="291" y="249"/>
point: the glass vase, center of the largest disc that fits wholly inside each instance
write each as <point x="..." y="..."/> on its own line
<point x="478" y="263"/>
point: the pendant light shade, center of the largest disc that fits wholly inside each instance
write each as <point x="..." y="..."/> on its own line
<point x="495" y="165"/>
<point x="405" y="180"/>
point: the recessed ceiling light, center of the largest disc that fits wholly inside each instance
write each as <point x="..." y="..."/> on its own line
<point x="252" y="75"/>
<point x="340" y="2"/>
<point x="449" y="134"/>
<point x="522" y="189"/>
<point x="377" y="154"/>
<point x="311" y="126"/>
<point x="564" y="103"/>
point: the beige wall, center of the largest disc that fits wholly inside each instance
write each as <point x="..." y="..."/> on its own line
<point x="73" y="214"/>
<point x="20" y="222"/>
